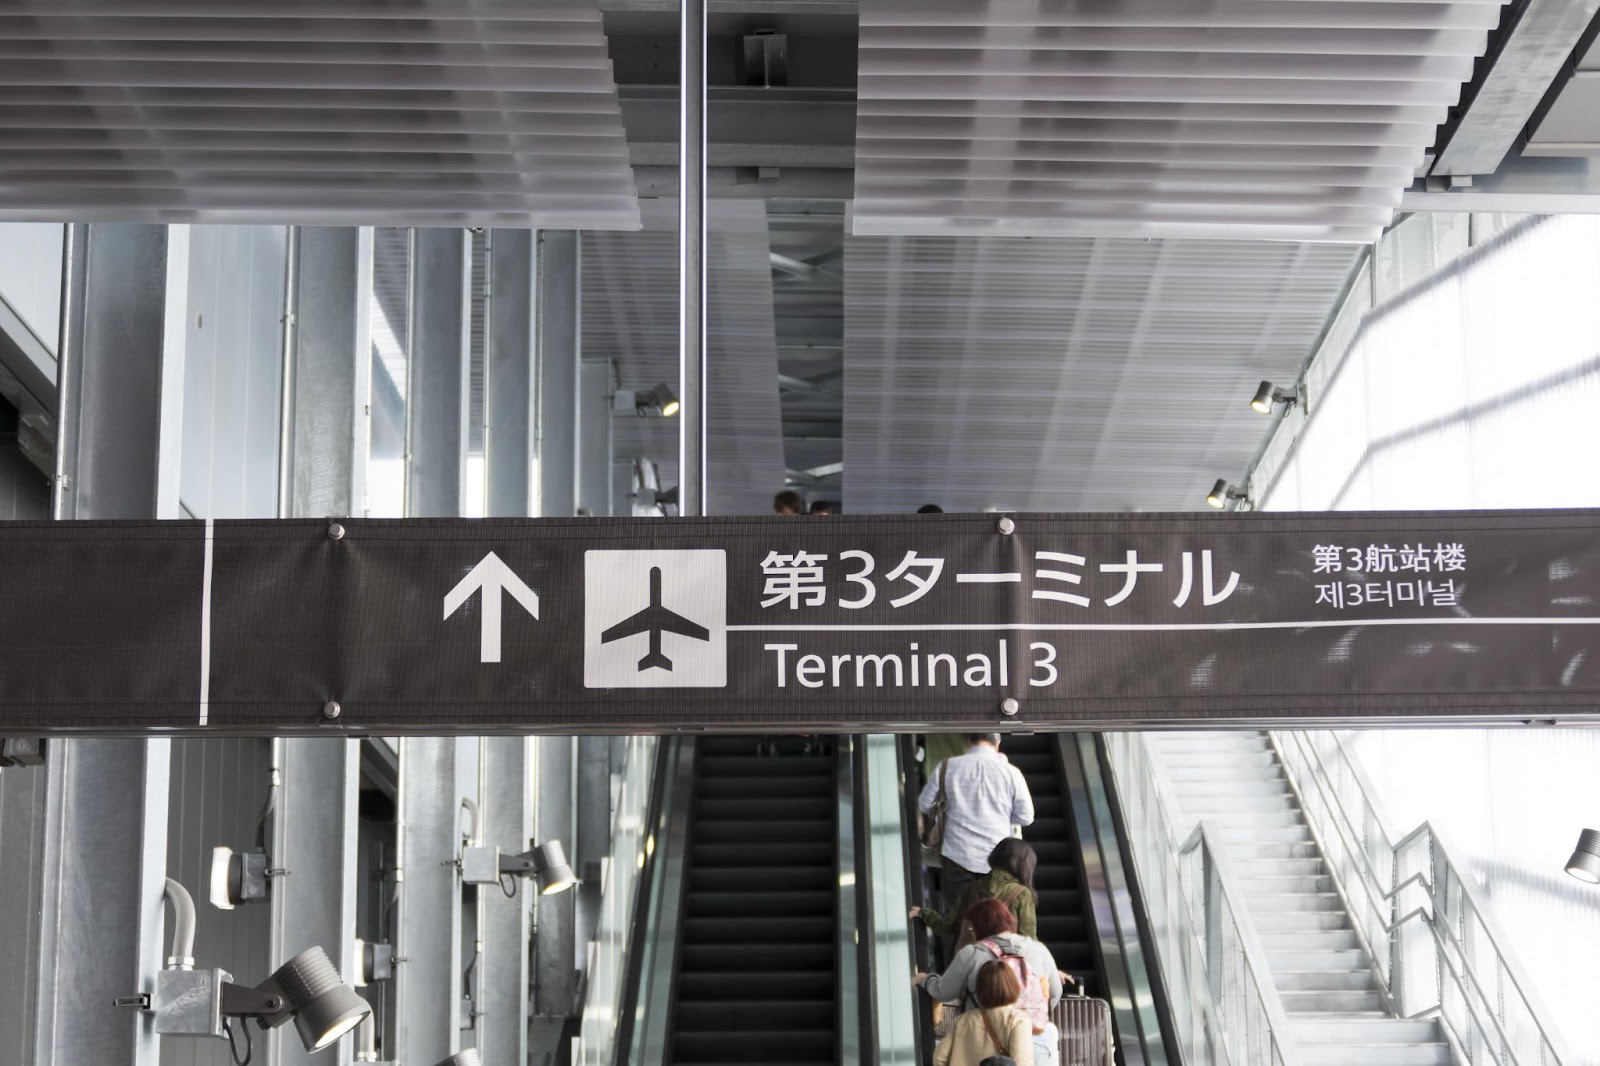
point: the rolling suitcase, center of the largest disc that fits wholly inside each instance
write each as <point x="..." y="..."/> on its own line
<point x="1084" y="1025"/>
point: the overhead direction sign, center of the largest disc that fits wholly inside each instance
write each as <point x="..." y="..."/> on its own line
<point x="898" y="622"/>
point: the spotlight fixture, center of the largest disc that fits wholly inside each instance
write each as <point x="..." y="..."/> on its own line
<point x="661" y="399"/>
<point x="189" y="1002"/>
<point x="469" y="1057"/>
<point x="546" y="863"/>
<point x="1585" y="861"/>
<point x="238" y="877"/>
<point x="1269" y="396"/>
<point x="1223" y="495"/>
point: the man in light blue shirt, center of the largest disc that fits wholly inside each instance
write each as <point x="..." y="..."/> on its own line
<point x="986" y="797"/>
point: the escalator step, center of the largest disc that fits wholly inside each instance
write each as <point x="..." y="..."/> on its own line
<point x="1041" y="764"/>
<point x="1046" y="807"/>
<point x="761" y="855"/>
<point x="745" y="1015"/>
<point x="775" y="787"/>
<point x="773" y="1045"/>
<point x="744" y="985"/>
<point x="781" y="875"/>
<point x="745" y="808"/>
<point x="822" y="766"/>
<point x="771" y="932"/>
<point x="771" y="831"/>
<point x="759" y="904"/>
<point x="756" y="958"/>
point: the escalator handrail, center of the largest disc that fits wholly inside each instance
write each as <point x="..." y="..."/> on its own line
<point x="921" y="952"/>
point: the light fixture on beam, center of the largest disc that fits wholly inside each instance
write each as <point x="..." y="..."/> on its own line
<point x="1585" y="861"/>
<point x="469" y="1057"/>
<point x="306" y="990"/>
<point x="1269" y="396"/>
<point x="238" y="877"/>
<point x="1224" y="495"/>
<point x="661" y="400"/>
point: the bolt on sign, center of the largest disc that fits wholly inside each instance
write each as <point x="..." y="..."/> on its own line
<point x="895" y="622"/>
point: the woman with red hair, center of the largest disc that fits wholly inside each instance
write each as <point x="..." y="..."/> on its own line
<point x="996" y="940"/>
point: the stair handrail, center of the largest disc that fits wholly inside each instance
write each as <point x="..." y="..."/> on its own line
<point x="1425" y="884"/>
<point x="1226" y="1007"/>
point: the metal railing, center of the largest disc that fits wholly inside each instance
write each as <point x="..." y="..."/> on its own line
<point x="1225" y="1007"/>
<point x="1437" y="951"/>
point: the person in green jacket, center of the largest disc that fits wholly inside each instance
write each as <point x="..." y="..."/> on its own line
<point x="1010" y="880"/>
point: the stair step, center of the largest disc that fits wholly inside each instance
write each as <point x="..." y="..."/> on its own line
<point x="1246" y="820"/>
<point x="1309" y="1032"/>
<point x="1325" y="980"/>
<point x="757" y="904"/>
<point x="746" y="808"/>
<point x="1376" y="1054"/>
<point x="747" y="986"/>
<point x="748" y="855"/>
<point x="1264" y="851"/>
<point x="1293" y="901"/>
<point x="767" y="766"/>
<point x="1316" y="940"/>
<point x="1217" y="758"/>
<point x="756" y="958"/>
<point x="1274" y="885"/>
<point x="775" y="787"/>
<point x="1247" y="868"/>
<point x="1256" y="835"/>
<point x="1291" y="960"/>
<point x="765" y="831"/>
<point x="776" y="877"/>
<point x="733" y="1015"/>
<point x="769" y="1045"/>
<point x="1305" y="1002"/>
<point x="1300" y="921"/>
<point x="1225" y="805"/>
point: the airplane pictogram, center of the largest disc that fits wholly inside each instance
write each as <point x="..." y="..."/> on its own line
<point x="655" y="620"/>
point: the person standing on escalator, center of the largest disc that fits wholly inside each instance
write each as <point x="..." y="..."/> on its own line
<point x="984" y="798"/>
<point x="1009" y="880"/>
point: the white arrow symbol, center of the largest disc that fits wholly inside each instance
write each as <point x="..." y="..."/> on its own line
<point x="494" y="577"/>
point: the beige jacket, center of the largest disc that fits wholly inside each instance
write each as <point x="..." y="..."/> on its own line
<point x="969" y="1043"/>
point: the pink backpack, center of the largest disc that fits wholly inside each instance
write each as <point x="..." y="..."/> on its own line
<point x="1035" y="998"/>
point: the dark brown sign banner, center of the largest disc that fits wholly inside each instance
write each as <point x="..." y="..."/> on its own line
<point x="944" y="621"/>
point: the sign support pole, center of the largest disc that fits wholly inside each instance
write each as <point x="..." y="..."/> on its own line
<point x="691" y="258"/>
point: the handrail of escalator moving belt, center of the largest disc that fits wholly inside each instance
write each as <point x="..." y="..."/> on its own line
<point x="1422" y="919"/>
<point x="1225" y="1007"/>
<point x="888" y="871"/>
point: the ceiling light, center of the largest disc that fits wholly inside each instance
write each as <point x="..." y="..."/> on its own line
<point x="323" y="1007"/>
<point x="469" y="1057"/>
<point x="237" y="877"/>
<point x="1222" y="495"/>
<point x="1269" y="396"/>
<point x="1585" y="861"/>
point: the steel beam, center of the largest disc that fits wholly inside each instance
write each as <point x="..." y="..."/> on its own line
<point x="558" y="300"/>
<point x="504" y="973"/>
<point x="314" y="832"/>
<point x="22" y="838"/>
<point x="428" y="962"/>
<point x="327" y="377"/>
<point x="510" y="386"/>
<point x="593" y="834"/>
<point x="439" y="386"/>
<point x="692" y="390"/>
<point x="594" y="437"/>
<point x="1533" y="50"/>
<point x="1521" y="186"/>
<point x="555" y="941"/>
<point x="120" y="430"/>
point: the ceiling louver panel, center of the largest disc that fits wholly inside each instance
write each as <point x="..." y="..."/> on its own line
<point x="1278" y="119"/>
<point x="401" y="112"/>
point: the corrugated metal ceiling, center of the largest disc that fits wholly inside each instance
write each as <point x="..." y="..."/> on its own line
<point x="1067" y="374"/>
<point x="630" y="316"/>
<point x="1278" y="119"/>
<point x="398" y="112"/>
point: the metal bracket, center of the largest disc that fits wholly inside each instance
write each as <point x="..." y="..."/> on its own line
<point x="242" y="1001"/>
<point x="138" y="1002"/>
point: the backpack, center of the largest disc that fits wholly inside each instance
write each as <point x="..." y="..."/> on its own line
<point x="1035" y="998"/>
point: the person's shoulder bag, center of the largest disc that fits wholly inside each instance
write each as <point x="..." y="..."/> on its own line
<point x="932" y="830"/>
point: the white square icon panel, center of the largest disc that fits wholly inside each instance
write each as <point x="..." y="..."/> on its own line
<point x="655" y="619"/>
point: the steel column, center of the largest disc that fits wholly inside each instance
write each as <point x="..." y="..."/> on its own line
<point x="22" y="818"/>
<point x="503" y="974"/>
<point x="104" y="862"/>
<point x="592" y="832"/>
<point x="691" y="257"/>
<point x="439" y="385"/>
<point x="314" y="836"/>
<point x="428" y="961"/>
<point x="328" y="372"/>
<point x="555" y="943"/>
<point x="509" y="389"/>
<point x="560" y="344"/>
<point x="594" y="437"/>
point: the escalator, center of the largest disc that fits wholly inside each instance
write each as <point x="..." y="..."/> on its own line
<point x="757" y="967"/>
<point x="1064" y="917"/>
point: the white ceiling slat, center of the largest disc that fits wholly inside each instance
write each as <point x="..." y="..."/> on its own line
<point x="1067" y="374"/>
<point x="1191" y="88"/>
<point x="405" y="112"/>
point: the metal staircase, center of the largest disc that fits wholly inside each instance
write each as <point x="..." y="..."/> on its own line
<point x="1324" y="975"/>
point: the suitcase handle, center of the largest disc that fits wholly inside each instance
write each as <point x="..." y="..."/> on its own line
<point x="1076" y="983"/>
